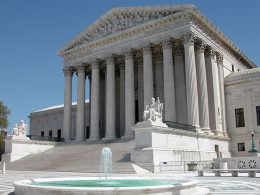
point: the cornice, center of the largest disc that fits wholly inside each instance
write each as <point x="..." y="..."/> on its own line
<point x="121" y="18"/>
<point x="211" y="30"/>
<point x="244" y="75"/>
<point x="149" y="28"/>
<point x="188" y="16"/>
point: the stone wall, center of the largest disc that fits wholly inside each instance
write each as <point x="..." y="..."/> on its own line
<point x="18" y="148"/>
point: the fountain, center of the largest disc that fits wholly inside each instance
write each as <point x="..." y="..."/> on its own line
<point x="106" y="184"/>
<point x="106" y="163"/>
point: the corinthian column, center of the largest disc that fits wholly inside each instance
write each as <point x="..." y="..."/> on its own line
<point x="202" y="87"/>
<point x="80" y="123"/>
<point x="67" y="104"/>
<point x="222" y="93"/>
<point x="181" y="97"/>
<point x="110" y="99"/>
<point x="139" y="62"/>
<point x="122" y="99"/>
<point x="94" y="113"/>
<point x="168" y="82"/>
<point x="191" y="80"/>
<point x="129" y="95"/>
<point x="213" y="92"/>
<point x="147" y="74"/>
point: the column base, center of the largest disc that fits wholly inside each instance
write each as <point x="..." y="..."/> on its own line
<point x="198" y="129"/>
<point x="93" y="138"/>
<point x="207" y="131"/>
<point x="109" y="138"/>
<point x="128" y="136"/>
<point x="79" y="140"/>
<point x="67" y="139"/>
<point x="219" y="133"/>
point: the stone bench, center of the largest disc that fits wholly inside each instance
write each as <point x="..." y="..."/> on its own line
<point x="234" y="172"/>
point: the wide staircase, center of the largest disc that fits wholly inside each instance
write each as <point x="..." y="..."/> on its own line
<point x="78" y="157"/>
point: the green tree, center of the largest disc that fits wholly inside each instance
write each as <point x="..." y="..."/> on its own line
<point x="4" y="112"/>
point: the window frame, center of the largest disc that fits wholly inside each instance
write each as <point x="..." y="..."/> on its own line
<point x="241" y="147"/>
<point x="258" y="115"/>
<point x="240" y="117"/>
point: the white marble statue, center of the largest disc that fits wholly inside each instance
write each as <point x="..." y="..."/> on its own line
<point x="20" y="130"/>
<point x="153" y="112"/>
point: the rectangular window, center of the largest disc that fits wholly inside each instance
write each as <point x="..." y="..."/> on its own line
<point x="258" y="115"/>
<point x="42" y="133"/>
<point x="240" y="121"/>
<point x="241" y="147"/>
<point x="233" y="69"/>
<point x="50" y="133"/>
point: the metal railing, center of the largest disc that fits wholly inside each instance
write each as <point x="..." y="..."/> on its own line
<point x="46" y="138"/>
<point x="180" y="126"/>
<point x="183" y="165"/>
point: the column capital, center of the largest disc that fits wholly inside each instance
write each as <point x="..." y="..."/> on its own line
<point x="200" y="46"/>
<point x="210" y="52"/>
<point x="128" y="54"/>
<point x="147" y="49"/>
<point x="188" y="38"/>
<point x="109" y="59"/>
<point x="67" y="71"/>
<point x="80" y="68"/>
<point x="219" y="58"/>
<point x="166" y="44"/>
<point x="121" y="67"/>
<point x="178" y="49"/>
<point x="94" y="64"/>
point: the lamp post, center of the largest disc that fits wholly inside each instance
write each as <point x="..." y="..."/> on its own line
<point x="253" y="149"/>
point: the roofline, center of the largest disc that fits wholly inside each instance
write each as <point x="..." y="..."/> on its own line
<point x="219" y="34"/>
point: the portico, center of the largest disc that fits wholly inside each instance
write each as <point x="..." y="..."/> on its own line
<point x="132" y="55"/>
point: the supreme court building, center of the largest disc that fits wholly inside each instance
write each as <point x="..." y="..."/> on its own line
<point x="132" y="54"/>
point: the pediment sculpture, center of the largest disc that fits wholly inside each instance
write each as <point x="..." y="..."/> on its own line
<point x="119" y="20"/>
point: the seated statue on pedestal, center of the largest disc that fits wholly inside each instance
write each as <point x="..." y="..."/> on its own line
<point x="153" y="112"/>
<point x="20" y="130"/>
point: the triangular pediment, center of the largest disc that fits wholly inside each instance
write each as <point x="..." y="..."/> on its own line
<point x="122" y="18"/>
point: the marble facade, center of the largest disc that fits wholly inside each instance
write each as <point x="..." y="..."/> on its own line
<point x="133" y="54"/>
<point x="130" y="55"/>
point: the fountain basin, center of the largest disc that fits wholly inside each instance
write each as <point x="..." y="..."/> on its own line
<point x="118" y="186"/>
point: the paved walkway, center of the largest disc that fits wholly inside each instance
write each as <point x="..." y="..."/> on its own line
<point x="217" y="185"/>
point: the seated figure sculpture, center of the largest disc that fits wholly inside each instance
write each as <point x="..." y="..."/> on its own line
<point x="20" y="130"/>
<point x="153" y="112"/>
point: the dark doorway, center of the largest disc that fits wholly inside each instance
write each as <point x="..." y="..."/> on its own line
<point x="217" y="151"/>
<point x="87" y="133"/>
<point x="136" y="111"/>
<point x="59" y="135"/>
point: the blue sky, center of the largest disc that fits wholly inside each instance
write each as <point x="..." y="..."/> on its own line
<point x="33" y="31"/>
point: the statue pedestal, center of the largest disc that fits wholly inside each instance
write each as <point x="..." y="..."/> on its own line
<point x="149" y="124"/>
<point x="17" y="147"/>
